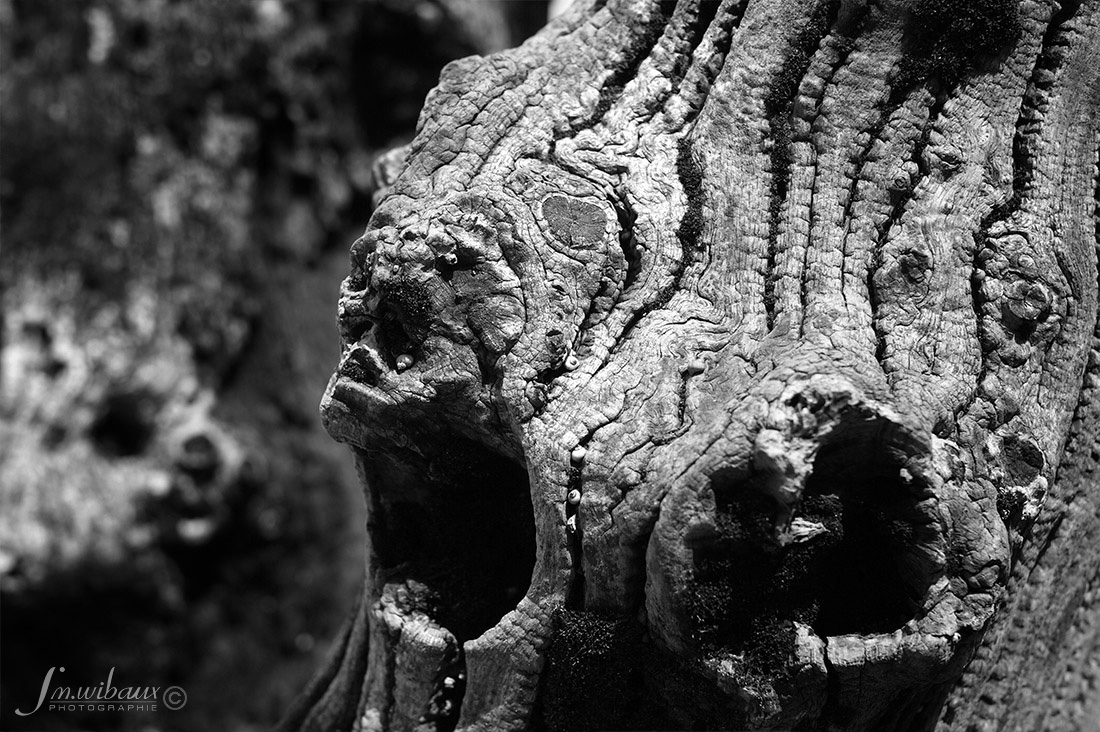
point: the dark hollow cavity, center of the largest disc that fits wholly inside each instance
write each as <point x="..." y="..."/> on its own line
<point x="860" y="575"/>
<point x="869" y="579"/>
<point x="125" y="425"/>
<point x="458" y="522"/>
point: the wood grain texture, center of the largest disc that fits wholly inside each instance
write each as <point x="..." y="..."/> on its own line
<point x="780" y="315"/>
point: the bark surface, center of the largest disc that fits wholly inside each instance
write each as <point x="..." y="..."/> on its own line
<point x="731" y="365"/>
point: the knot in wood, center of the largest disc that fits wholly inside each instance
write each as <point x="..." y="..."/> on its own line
<point x="915" y="265"/>
<point x="1022" y="459"/>
<point x="1026" y="303"/>
<point x="573" y="221"/>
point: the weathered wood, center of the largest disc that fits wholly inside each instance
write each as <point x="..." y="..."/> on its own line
<point x="780" y="316"/>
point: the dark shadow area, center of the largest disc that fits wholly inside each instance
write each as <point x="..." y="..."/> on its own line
<point x="125" y="425"/>
<point x="848" y="562"/>
<point x="865" y="582"/>
<point x="602" y="673"/>
<point x="462" y="526"/>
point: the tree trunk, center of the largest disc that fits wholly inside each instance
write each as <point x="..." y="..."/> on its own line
<point x="731" y="365"/>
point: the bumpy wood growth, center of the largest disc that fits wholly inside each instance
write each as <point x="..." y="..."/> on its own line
<point x="713" y="366"/>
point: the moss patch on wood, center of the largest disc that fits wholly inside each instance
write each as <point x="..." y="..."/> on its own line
<point x="946" y="38"/>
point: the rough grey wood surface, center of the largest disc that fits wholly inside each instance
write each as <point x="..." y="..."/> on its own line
<point x="713" y="366"/>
